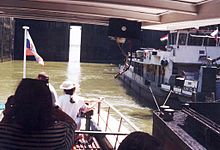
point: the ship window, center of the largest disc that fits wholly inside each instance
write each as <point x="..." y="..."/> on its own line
<point x="209" y="42"/>
<point x="195" y="41"/>
<point x="201" y="52"/>
<point x="151" y="72"/>
<point x="173" y="38"/>
<point x="182" y="39"/>
<point x="138" y="69"/>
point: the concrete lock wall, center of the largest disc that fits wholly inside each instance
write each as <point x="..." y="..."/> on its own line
<point x="6" y="39"/>
<point x="52" y="41"/>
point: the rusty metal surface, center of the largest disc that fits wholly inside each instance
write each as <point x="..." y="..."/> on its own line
<point x="179" y="137"/>
<point x="195" y="127"/>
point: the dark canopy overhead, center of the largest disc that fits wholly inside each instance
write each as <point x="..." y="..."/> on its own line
<point x="154" y="14"/>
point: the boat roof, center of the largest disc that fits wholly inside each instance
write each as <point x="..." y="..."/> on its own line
<point x="154" y="14"/>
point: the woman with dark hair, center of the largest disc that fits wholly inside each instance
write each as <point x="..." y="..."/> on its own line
<point x="140" y="141"/>
<point x="33" y="105"/>
<point x="71" y="103"/>
<point x="32" y="124"/>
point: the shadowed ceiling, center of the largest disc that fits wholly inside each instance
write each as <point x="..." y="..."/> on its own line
<point x="154" y="14"/>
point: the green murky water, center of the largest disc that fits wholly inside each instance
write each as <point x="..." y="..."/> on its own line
<point x="93" y="81"/>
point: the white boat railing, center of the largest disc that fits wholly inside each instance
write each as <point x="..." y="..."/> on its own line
<point x="112" y="123"/>
<point x="122" y="117"/>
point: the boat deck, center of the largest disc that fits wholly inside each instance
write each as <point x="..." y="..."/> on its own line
<point x="89" y="144"/>
<point x="104" y="128"/>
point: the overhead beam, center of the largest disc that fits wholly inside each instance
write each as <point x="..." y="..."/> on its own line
<point x="11" y="5"/>
<point x="50" y="16"/>
<point x="99" y="11"/>
<point x="205" y="11"/>
<point x="60" y="19"/>
<point x="182" y="25"/>
<point x="209" y="10"/>
<point x="177" y="6"/>
<point x="208" y="14"/>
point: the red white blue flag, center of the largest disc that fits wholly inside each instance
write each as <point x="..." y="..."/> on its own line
<point x="31" y="49"/>
<point x="164" y="38"/>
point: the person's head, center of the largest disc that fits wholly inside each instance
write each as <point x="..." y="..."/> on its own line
<point x="33" y="104"/>
<point x="140" y="141"/>
<point x="68" y="87"/>
<point x="43" y="76"/>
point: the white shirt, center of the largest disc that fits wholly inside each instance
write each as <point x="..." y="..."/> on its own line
<point x="71" y="109"/>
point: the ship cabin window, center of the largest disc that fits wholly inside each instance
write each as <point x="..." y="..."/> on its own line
<point x="138" y="69"/>
<point x="195" y="41"/>
<point x="182" y="39"/>
<point x="209" y="42"/>
<point x="151" y="72"/>
<point x="172" y="38"/>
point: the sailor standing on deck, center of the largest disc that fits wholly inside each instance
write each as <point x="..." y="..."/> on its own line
<point x="70" y="103"/>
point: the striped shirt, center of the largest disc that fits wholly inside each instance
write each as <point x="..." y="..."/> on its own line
<point x="57" y="137"/>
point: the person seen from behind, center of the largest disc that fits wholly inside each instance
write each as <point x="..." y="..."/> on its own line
<point x="70" y="103"/>
<point x="140" y="141"/>
<point x="29" y="122"/>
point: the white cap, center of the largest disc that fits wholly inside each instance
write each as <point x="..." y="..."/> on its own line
<point x="67" y="85"/>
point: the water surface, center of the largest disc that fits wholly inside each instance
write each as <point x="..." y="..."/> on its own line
<point x="92" y="80"/>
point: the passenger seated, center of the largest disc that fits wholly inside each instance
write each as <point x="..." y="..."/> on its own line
<point x="140" y="141"/>
<point x="70" y="103"/>
<point x="32" y="122"/>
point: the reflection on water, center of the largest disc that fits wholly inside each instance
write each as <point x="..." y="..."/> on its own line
<point x="93" y="80"/>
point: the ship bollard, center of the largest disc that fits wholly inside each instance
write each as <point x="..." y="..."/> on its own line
<point x="168" y="114"/>
<point x="186" y="106"/>
<point x="162" y="108"/>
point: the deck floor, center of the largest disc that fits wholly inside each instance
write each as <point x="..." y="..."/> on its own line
<point x="88" y="144"/>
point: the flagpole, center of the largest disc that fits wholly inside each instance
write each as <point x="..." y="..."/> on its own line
<point x="25" y="43"/>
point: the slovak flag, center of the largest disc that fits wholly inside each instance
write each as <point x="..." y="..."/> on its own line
<point x="31" y="50"/>
<point x="164" y="38"/>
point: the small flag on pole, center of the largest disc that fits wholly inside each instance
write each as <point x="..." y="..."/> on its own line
<point x="164" y="38"/>
<point x="214" y="33"/>
<point x="31" y="49"/>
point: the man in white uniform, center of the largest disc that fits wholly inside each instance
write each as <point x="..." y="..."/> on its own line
<point x="70" y="103"/>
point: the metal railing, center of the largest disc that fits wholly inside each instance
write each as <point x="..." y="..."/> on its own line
<point x="110" y="117"/>
<point x="107" y="123"/>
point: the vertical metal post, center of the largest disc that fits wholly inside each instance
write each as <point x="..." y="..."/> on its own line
<point x="25" y="42"/>
<point x="119" y="128"/>
<point x="99" y="107"/>
<point x="213" y="96"/>
<point x="107" y="119"/>
<point x="2" y="41"/>
<point x="88" y="122"/>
